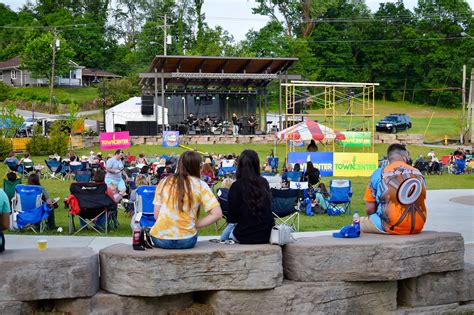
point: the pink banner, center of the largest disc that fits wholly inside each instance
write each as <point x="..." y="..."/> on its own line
<point x="114" y="140"/>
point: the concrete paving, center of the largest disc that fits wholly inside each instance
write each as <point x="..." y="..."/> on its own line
<point x="443" y="215"/>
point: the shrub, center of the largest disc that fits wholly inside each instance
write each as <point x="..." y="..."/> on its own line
<point x="38" y="146"/>
<point x="4" y="91"/>
<point x="58" y="139"/>
<point x="5" y="148"/>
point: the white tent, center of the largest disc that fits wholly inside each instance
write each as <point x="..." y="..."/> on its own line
<point x="130" y="110"/>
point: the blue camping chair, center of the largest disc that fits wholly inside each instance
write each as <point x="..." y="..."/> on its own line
<point x="55" y="169"/>
<point x="341" y="195"/>
<point x="14" y="167"/>
<point x="460" y="166"/>
<point x="83" y="176"/>
<point x="273" y="163"/>
<point x="228" y="167"/>
<point x="294" y="176"/>
<point x="144" y="204"/>
<point x="28" y="208"/>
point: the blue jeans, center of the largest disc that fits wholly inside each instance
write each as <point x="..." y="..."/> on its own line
<point x="228" y="233"/>
<point x="175" y="244"/>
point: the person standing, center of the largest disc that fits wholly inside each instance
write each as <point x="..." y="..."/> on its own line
<point x="312" y="147"/>
<point x="115" y="169"/>
<point x="235" y="124"/>
<point x="252" y="122"/>
<point x="4" y="217"/>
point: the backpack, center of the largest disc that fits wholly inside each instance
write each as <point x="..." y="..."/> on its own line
<point x="403" y="200"/>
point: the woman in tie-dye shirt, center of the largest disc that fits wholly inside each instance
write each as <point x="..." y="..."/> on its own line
<point x="177" y="201"/>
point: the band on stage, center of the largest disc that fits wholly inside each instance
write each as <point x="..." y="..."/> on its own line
<point x="213" y="125"/>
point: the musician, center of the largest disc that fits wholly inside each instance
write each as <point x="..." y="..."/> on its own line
<point x="191" y="121"/>
<point x="252" y="122"/>
<point x="207" y="123"/>
<point x="235" y="124"/>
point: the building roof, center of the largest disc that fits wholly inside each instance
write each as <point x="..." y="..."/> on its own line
<point x="11" y="63"/>
<point x="216" y="71"/>
<point x="88" y="72"/>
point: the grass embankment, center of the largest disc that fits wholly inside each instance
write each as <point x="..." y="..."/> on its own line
<point x="316" y="223"/>
<point x="444" y="121"/>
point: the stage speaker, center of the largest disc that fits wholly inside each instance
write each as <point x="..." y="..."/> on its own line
<point x="192" y="132"/>
<point x="147" y="105"/>
<point x="142" y="128"/>
<point x="258" y="133"/>
<point x="229" y="132"/>
<point x="217" y="132"/>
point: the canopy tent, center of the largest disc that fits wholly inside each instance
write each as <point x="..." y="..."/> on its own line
<point x="130" y="110"/>
<point x="309" y="130"/>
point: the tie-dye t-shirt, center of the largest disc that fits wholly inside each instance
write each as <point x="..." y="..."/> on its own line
<point x="173" y="224"/>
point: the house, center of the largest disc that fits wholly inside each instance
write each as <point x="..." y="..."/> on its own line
<point x="13" y="74"/>
<point x="91" y="76"/>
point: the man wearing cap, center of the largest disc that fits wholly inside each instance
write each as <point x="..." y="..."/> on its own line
<point x="114" y="168"/>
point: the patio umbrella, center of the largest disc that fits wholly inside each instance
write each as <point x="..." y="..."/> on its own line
<point x="309" y="130"/>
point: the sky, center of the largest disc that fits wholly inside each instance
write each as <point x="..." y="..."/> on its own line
<point x="236" y="16"/>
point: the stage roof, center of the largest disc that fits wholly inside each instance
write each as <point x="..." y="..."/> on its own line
<point x="215" y="72"/>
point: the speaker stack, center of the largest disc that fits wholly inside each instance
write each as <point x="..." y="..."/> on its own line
<point x="147" y="105"/>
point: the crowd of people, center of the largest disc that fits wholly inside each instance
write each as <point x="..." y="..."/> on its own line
<point x="185" y="186"/>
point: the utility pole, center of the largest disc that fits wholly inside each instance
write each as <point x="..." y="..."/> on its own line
<point x="51" y="83"/>
<point x="470" y="110"/>
<point x="165" y="35"/>
<point x="463" y="112"/>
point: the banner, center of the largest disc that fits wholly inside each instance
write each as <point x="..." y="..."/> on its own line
<point x="321" y="160"/>
<point x="296" y="143"/>
<point x="355" y="164"/>
<point x="114" y="140"/>
<point x="356" y="139"/>
<point x="171" y="139"/>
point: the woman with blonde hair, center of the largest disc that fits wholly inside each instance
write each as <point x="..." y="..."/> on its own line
<point x="177" y="201"/>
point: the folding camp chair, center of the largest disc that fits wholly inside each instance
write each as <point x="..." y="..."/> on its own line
<point x="274" y="181"/>
<point x="82" y="176"/>
<point x="227" y="167"/>
<point x="55" y="168"/>
<point x="28" y="168"/>
<point x="71" y="171"/>
<point x="294" y="176"/>
<point x="9" y="187"/>
<point x="341" y="194"/>
<point x="13" y="166"/>
<point x="28" y="208"/>
<point x="144" y="205"/>
<point x="93" y="204"/>
<point x="286" y="208"/>
<point x="223" y="198"/>
<point x="459" y="166"/>
<point x="273" y="163"/>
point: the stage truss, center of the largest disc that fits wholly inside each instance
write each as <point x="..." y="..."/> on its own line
<point x="341" y="106"/>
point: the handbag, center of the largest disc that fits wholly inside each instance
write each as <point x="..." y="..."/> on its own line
<point x="281" y="234"/>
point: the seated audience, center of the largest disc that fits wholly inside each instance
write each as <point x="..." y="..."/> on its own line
<point x="396" y="209"/>
<point x="207" y="174"/>
<point x="177" y="202"/>
<point x="4" y="218"/>
<point x="322" y="198"/>
<point x="312" y="174"/>
<point x="250" y="203"/>
<point x="12" y="159"/>
<point x="34" y="180"/>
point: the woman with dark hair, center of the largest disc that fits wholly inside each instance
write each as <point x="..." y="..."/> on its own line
<point x="177" y="201"/>
<point x="312" y="174"/>
<point x="34" y="180"/>
<point x="322" y="197"/>
<point x="312" y="147"/>
<point x="250" y="203"/>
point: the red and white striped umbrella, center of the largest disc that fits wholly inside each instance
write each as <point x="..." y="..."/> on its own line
<point x="309" y="130"/>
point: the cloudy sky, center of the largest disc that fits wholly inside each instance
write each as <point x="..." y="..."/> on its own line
<point x="236" y="15"/>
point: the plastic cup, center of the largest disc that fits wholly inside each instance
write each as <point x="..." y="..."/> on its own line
<point x="42" y="244"/>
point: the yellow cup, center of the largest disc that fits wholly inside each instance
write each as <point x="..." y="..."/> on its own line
<point x="42" y="244"/>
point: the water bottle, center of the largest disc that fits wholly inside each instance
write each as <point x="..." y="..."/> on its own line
<point x="356" y="220"/>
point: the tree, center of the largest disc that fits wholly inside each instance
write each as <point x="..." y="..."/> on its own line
<point x="10" y="121"/>
<point x="38" y="56"/>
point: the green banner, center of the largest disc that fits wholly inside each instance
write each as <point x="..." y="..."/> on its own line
<point x="356" y="139"/>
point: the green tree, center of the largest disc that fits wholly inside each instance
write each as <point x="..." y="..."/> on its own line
<point x="11" y="122"/>
<point x="58" y="139"/>
<point x="38" y="56"/>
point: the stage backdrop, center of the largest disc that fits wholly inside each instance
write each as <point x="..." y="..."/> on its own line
<point x="337" y="164"/>
<point x="114" y="140"/>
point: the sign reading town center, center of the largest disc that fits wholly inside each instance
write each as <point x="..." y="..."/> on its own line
<point x="114" y="140"/>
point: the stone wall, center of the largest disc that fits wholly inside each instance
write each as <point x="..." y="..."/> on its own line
<point x="414" y="139"/>
<point x="373" y="274"/>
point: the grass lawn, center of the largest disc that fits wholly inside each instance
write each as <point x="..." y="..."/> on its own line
<point x="81" y="95"/>
<point x="319" y="222"/>
<point x="445" y="121"/>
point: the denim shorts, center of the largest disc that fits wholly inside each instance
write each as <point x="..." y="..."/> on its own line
<point x="175" y="244"/>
